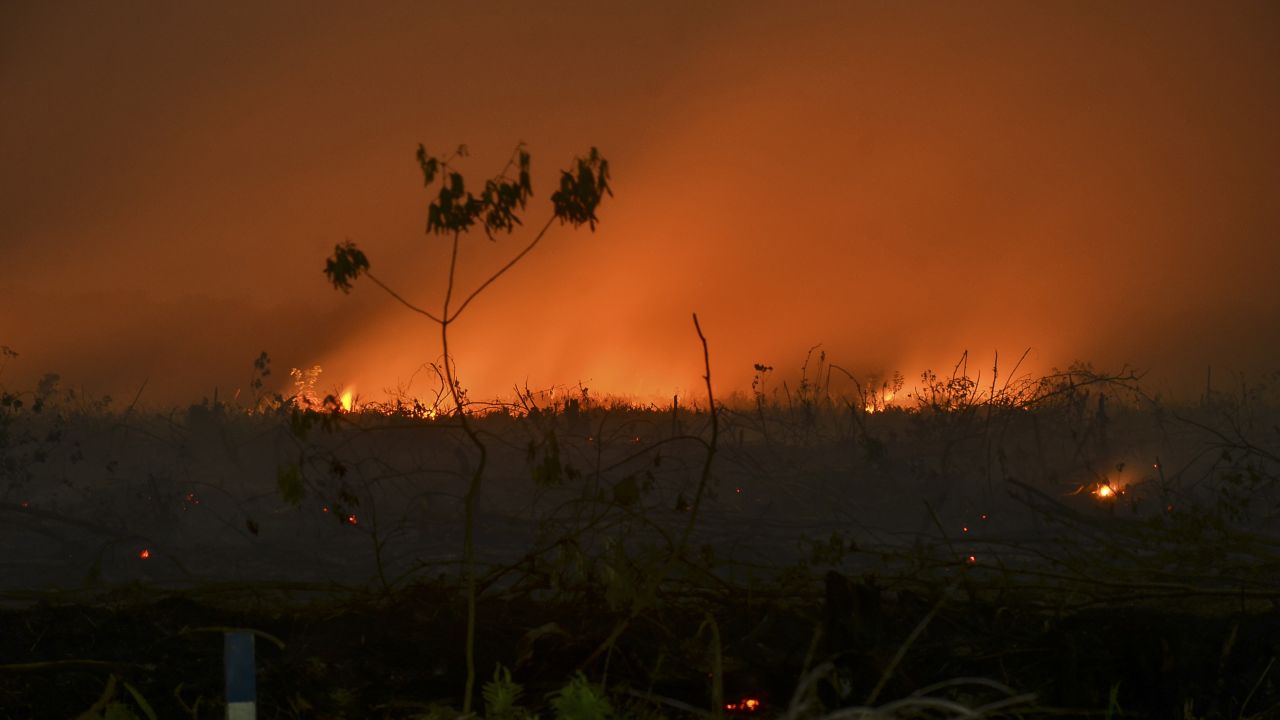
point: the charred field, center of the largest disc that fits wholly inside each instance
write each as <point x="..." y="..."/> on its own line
<point x="1058" y="546"/>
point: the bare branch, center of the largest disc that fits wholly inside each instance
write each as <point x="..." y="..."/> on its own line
<point x="404" y="302"/>
<point x="500" y="272"/>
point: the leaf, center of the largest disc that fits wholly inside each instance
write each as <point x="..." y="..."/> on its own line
<point x="142" y="701"/>
<point x="581" y="192"/>
<point x="501" y="695"/>
<point x="346" y="265"/>
<point x="579" y="700"/>
<point x="429" y="165"/>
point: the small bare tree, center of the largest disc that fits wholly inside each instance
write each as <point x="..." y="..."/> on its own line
<point x="454" y="212"/>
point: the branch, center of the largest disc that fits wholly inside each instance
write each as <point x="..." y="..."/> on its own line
<point x="500" y="272"/>
<point x="404" y="302"/>
<point x="655" y="580"/>
<point x="705" y="478"/>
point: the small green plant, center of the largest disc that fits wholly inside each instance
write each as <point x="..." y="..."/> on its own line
<point x="1113" y="702"/>
<point x="502" y="697"/>
<point x="580" y="700"/>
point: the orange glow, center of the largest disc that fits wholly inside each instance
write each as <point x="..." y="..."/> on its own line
<point x="1107" y="491"/>
<point x="878" y="401"/>
<point x="745" y="705"/>
<point x="144" y="554"/>
<point x="346" y="400"/>
<point x="931" y="145"/>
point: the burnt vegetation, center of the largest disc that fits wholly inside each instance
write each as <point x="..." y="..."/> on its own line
<point x="951" y="550"/>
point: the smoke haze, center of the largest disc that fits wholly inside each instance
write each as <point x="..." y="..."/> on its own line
<point x="900" y="183"/>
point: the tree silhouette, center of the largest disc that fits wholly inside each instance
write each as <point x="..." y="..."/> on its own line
<point x="456" y="211"/>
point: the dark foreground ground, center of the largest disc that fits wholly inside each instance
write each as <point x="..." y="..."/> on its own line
<point x="1074" y="550"/>
<point x="401" y="657"/>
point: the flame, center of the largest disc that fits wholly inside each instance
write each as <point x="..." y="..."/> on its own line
<point x="879" y="401"/>
<point x="1107" y="491"/>
<point x="746" y="705"/>
<point x="346" y="400"/>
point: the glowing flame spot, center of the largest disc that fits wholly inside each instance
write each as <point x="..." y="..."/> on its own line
<point x="745" y="705"/>
<point x="351" y="519"/>
<point x="1105" y="491"/>
<point x="878" y="401"/>
<point x="964" y="529"/>
<point x="972" y="559"/>
<point x="345" y="400"/>
<point x="144" y="554"/>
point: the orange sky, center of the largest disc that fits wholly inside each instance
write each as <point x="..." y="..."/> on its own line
<point x="899" y="182"/>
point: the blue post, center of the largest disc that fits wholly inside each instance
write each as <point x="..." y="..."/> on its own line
<point x="242" y="683"/>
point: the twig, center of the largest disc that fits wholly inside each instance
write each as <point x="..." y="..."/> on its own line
<point x="396" y="295"/>
<point x="657" y="578"/>
<point x="500" y="272"/>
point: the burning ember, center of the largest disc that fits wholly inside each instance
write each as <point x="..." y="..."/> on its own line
<point x="346" y="400"/>
<point x="1107" y="491"/>
<point x="746" y="705"/>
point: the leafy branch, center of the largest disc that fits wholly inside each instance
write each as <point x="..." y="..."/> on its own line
<point x="455" y="211"/>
